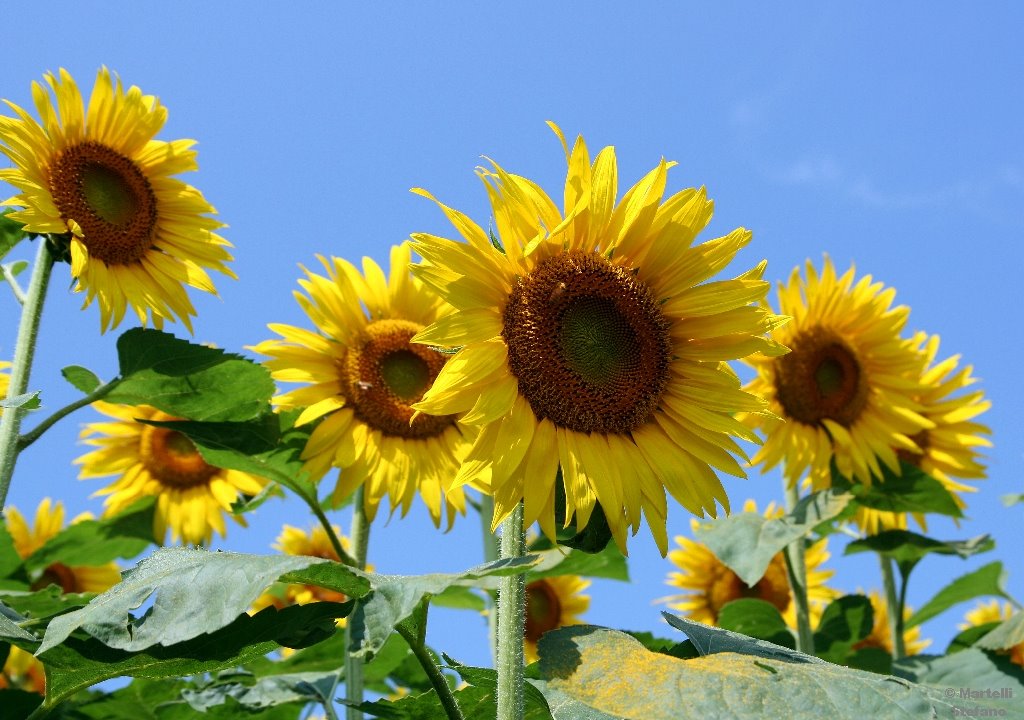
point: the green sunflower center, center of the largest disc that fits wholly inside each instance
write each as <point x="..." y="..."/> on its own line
<point x="171" y="458"/>
<point x="543" y="609"/>
<point x="382" y="374"/>
<point x="821" y="378"/>
<point x="109" y="197"/>
<point x="587" y="343"/>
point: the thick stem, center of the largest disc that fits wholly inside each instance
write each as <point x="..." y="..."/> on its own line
<point x="796" y="570"/>
<point x="491" y="551"/>
<point x="35" y="433"/>
<point x="24" y="350"/>
<point x="360" y="538"/>
<point x="894" y="604"/>
<point x="437" y="680"/>
<point x="511" y="621"/>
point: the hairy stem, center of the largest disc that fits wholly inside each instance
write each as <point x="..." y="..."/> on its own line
<point x="491" y="552"/>
<point x="894" y="604"/>
<point x="796" y="571"/>
<point x="24" y="350"/>
<point x="35" y="433"/>
<point x="437" y="680"/>
<point x="511" y="621"/>
<point x="360" y="538"/>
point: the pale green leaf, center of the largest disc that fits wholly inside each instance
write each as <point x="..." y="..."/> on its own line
<point x="987" y="580"/>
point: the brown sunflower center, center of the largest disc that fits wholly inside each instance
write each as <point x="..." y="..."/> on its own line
<point x="543" y="609"/>
<point x="171" y="458"/>
<point x="382" y="374"/>
<point x="821" y="378"/>
<point x="58" y="574"/>
<point x="108" y="195"/>
<point x="920" y="439"/>
<point x="587" y="343"/>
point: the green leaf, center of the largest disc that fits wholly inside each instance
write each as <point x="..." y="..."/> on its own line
<point x="535" y="706"/>
<point x="1012" y="499"/>
<point x="709" y="640"/>
<point x="758" y="619"/>
<point x="25" y="401"/>
<point x="395" y="597"/>
<point x="41" y="604"/>
<point x="969" y="637"/>
<point x="141" y="699"/>
<point x="18" y="704"/>
<point x="10" y="560"/>
<point x="912" y="491"/>
<point x="459" y="598"/>
<point x="96" y="542"/>
<point x="81" y="378"/>
<point x="872" y="659"/>
<point x="11" y="233"/>
<point x="907" y="548"/>
<point x="290" y="689"/>
<point x="969" y="679"/>
<point x="747" y="542"/>
<point x="188" y="381"/>
<point x="987" y="580"/>
<point x="11" y="631"/>
<point x="1007" y="634"/>
<point x="613" y="674"/>
<point x="196" y="592"/>
<point x="845" y="622"/>
<point x="17" y="267"/>
<point x="79" y="662"/>
<point x="608" y="563"/>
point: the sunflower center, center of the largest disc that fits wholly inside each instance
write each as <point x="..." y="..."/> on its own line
<point x="382" y="374"/>
<point x="821" y="379"/>
<point x="920" y="439"/>
<point x="773" y="587"/>
<point x="58" y="574"/>
<point x="587" y="343"/>
<point x="109" y="197"/>
<point x="171" y="458"/>
<point x="543" y="609"/>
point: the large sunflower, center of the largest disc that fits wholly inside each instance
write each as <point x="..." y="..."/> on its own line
<point x="590" y="341"/>
<point x="192" y="497"/>
<point x="551" y="603"/>
<point x="362" y="377"/>
<point x="990" y="612"/>
<point x="137" y="234"/>
<point x="709" y="585"/>
<point x="847" y="390"/>
<point x="49" y="521"/>
<point x="881" y="635"/>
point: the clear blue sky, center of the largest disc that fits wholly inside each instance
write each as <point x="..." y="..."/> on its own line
<point x="886" y="135"/>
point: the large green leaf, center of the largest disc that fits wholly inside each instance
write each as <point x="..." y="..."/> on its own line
<point x="758" y="619"/>
<point x="10" y="560"/>
<point x="907" y="548"/>
<point x="195" y="591"/>
<point x="845" y="622"/>
<point x="10" y="631"/>
<point x="79" y="663"/>
<point x="972" y="679"/>
<point x="96" y="542"/>
<point x="747" y="542"/>
<point x="188" y="381"/>
<point x="913" y="490"/>
<point x="141" y="699"/>
<point x="395" y="597"/>
<point x="987" y="580"/>
<point x="38" y="605"/>
<point x="608" y="563"/>
<point x="1007" y="634"/>
<point x="287" y="689"/>
<point x="613" y="674"/>
<point x="18" y="704"/>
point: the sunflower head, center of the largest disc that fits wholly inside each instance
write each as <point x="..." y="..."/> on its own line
<point x="848" y="389"/>
<point x="589" y="340"/>
<point x="48" y="521"/>
<point x="147" y="460"/>
<point x="990" y="612"/>
<point x="23" y="671"/>
<point x="709" y="584"/>
<point x="551" y="603"/>
<point x="881" y="636"/>
<point x="98" y="177"/>
<point x="361" y="375"/>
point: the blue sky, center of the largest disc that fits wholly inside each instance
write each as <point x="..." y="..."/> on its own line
<point x="885" y="135"/>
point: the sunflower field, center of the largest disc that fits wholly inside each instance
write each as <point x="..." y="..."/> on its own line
<point x="565" y="385"/>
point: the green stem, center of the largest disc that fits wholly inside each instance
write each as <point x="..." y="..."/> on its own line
<point x="24" y="350"/>
<point x="511" y="621"/>
<point x="437" y="679"/>
<point x="343" y="556"/>
<point x="35" y="433"/>
<point x="360" y="539"/>
<point x="894" y="604"/>
<point x="19" y="294"/>
<point x="491" y="552"/>
<point x="796" y="571"/>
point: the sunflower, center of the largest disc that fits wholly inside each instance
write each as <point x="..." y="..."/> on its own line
<point x="192" y="497"/>
<point x="590" y="341"/>
<point x="710" y="585"/>
<point x="847" y="390"/>
<point x="551" y="603"/>
<point x="49" y="521"/>
<point x="23" y="671"/>
<point x="949" y="449"/>
<point x="315" y="543"/>
<point x="137" y="235"/>
<point x="881" y="636"/>
<point x="990" y="612"/>
<point x="362" y="377"/>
